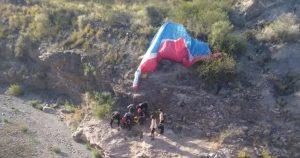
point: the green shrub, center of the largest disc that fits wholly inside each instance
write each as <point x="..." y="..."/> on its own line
<point x="36" y="104"/>
<point x="113" y="58"/>
<point x="243" y="154"/>
<point x="103" y="103"/>
<point x="24" y="129"/>
<point x="88" y="146"/>
<point x="96" y="153"/>
<point x="219" y="71"/>
<point x="55" y="149"/>
<point x="218" y="35"/>
<point x="40" y="26"/>
<point x="17" y="22"/>
<point x="281" y="102"/>
<point x="222" y="40"/>
<point x="285" y="85"/>
<point x="23" y="45"/>
<point x="266" y="154"/>
<point x="2" y="32"/>
<point x="102" y="110"/>
<point x="89" y="69"/>
<point x="15" y="90"/>
<point x="284" y="28"/>
<point x="5" y="121"/>
<point x="69" y="107"/>
<point x="62" y="18"/>
<point x="199" y="15"/>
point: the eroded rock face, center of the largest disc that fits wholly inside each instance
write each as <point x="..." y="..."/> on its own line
<point x="65" y="73"/>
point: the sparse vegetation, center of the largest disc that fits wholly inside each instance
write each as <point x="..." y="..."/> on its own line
<point x="55" y="149"/>
<point x="243" y="154"/>
<point x="36" y="104"/>
<point x="285" y="85"/>
<point x="222" y="40"/>
<point x="155" y="15"/>
<point x="113" y="58"/>
<point x="69" y="107"/>
<point x="24" y="146"/>
<point x="281" y="102"/>
<point x="96" y="153"/>
<point x="15" y="90"/>
<point x="89" y="69"/>
<point x="101" y="102"/>
<point x="284" y="28"/>
<point x="200" y="15"/>
<point x="5" y="121"/>
<point x="24" y="129"/>
<point x="23" y="45"/>
<point x="266" y="154"/>
<point x="88" y="146"/>
<point x="15" y="109"/>
<point x="220" y="71"/>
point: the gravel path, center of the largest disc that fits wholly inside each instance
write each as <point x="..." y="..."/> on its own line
<point x="45" y="130"/>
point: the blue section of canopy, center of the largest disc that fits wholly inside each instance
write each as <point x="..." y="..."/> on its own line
<point x="174" y="31"/>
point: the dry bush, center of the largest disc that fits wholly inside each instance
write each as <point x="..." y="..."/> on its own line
<point x="40" y="26"/>
<point x="284" y="28"/>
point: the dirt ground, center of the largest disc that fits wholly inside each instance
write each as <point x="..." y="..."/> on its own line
<point x="28" y="132"/>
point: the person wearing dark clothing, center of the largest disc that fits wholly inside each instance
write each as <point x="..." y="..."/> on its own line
<point x="130" y="108"/>
<point x="161" y="128"/>
<point x="141" y="116"/>
<point x="115" y="116"/>
<point x="143" y="106"/>
<point x="128" y="119"/>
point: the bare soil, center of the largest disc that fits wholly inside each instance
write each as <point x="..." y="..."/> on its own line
<point x="28" y="132"/>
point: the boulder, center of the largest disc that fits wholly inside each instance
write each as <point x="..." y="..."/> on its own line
<point x="49" y="110"/>
<point x="79" y="136"/>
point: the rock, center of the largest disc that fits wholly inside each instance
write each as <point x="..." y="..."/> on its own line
<point x="140" y="155"/>
<point x="49" y="110"/>
<point x="78" y="136"/>
<point x="64" y="111"/>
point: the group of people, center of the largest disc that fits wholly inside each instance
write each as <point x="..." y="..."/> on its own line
<point x="134" y="114"/>
<point x="137" y="114"/>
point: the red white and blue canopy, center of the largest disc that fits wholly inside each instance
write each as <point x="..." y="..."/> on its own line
<point x="174" y="43"/>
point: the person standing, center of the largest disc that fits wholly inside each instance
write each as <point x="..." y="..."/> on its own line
<point x="161" y="126"/>
<point x="153" y="126"/>
<point x="161" y="116"/>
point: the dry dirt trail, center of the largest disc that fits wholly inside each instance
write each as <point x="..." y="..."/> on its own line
<point x="28" y="132"/>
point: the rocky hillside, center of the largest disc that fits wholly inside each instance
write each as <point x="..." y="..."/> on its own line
<point x="244" y="105"/>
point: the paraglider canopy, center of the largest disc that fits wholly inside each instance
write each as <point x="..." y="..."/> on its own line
<point x="174" y="43"/>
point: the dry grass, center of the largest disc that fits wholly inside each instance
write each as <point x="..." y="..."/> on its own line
<point x="218" y="141"/>
<point x="284" y="28"/>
